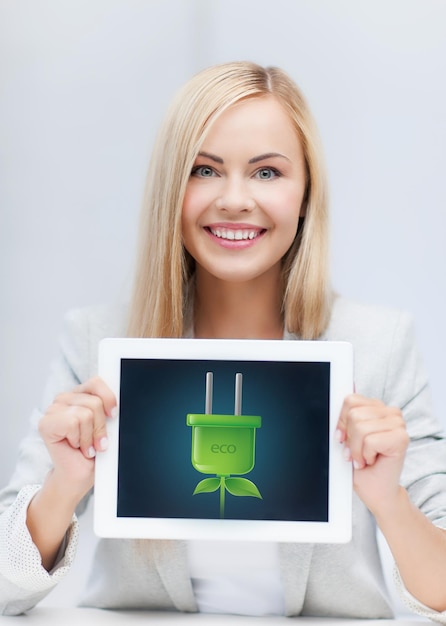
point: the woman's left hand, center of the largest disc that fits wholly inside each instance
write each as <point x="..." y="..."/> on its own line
<point x="375" y="439"/>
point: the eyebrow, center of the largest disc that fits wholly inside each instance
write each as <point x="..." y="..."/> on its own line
<point x="256" y="159"/>
<point x="213" y="157"/>
<point x="267" y="155"/>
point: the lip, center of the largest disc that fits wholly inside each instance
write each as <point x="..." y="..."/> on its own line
<point x="234" y="235"/>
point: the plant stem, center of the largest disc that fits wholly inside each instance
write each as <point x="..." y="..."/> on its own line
<point x="222" y="496"/>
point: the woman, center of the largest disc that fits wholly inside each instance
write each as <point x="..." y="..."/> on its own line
<point x="234" y="245"/>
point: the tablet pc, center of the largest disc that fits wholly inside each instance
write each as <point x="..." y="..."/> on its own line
<point x="225" y="439"/>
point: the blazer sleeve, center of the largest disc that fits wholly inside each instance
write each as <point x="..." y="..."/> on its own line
<point x="424" y="473"/>
<point x="406" y="386"/>
<point x="23" y="580"/>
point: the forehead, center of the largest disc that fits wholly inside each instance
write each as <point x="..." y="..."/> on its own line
<point x="261" y="123"/>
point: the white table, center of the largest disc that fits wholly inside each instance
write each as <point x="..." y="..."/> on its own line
<point x="47" y="616"/>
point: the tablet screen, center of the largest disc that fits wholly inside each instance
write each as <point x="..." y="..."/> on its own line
<point x="169" y="442"/>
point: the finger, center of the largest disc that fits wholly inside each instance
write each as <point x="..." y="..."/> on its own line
<point x="358" y="415"/>
<point x="99" y="401"/>
<point x="352" y="402"/>
<point x="85" y="417"/>
<point x="94" y="387"/>
<point x="360" y="433"/>
<point x="54" y="426"/>
<point x="84" y="412"/>
<point x="73" y="424"/>
<point x="96" y="428"/>
<point x="391" y="444"/>
<point x="97" y="387"/>
<point x="88" y="408"/>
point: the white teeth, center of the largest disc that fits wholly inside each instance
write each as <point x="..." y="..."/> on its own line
<point x="237" y="235"/>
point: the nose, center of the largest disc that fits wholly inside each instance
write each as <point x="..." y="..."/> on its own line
<point x="235" y="196"/>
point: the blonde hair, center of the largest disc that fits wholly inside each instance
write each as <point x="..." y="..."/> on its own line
<point x="164" y="268"/>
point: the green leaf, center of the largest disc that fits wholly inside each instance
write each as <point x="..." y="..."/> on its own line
<point x="242" y="487"/>
<point x="208" y="485"/>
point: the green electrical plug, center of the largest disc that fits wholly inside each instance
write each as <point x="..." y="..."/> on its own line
<point x="224" y="445"/>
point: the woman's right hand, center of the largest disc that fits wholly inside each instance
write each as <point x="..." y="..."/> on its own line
<point x="74" y="431"/>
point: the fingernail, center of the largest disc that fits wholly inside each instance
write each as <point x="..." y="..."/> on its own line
<point x="91" y="452"/>
<point x="338" y="435"/>
<point x="357" y="465"/>
<point x="114" y="411"/>
<point x="347" y="454"/>
<point x="103" y="443"/>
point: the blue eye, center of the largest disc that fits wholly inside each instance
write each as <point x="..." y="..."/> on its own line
<point x="267" y="173"/>
<point x="203" y="170"/>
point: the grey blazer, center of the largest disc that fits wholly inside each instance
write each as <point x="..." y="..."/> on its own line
<point x="343" y="580"/>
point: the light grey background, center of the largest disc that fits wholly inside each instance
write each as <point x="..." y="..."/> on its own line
<point x="83" y="87"/>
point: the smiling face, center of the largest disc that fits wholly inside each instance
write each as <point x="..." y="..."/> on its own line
<point x="244" y="196"/>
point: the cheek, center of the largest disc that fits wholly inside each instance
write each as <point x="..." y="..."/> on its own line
<point x="188" y="203"/>
<point x="294" y="205"/>
<point x="285" y="212"/>
<point x="194" y="203"/>
<point x="284" y="204"/>
<point x="190" y="215"/>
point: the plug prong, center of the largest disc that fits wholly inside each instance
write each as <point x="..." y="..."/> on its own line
<point x="209" y="389"/>
<point x="238" y="394"/>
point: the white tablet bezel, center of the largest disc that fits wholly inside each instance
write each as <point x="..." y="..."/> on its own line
<point x="338" y="527"/>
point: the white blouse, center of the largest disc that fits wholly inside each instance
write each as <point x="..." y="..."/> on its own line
<point x="236" y="577"/>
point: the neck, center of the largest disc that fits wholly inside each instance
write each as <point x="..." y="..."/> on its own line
<point x="246" y="310"/>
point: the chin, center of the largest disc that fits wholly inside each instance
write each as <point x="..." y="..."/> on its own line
<point x="238" y="278"/>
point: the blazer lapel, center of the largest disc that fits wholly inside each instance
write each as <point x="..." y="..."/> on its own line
<point x="295" y="559"/>
<point x="171" y="560"/>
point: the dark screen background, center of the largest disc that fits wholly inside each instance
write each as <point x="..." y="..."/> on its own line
<point x="156" y="476"/>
